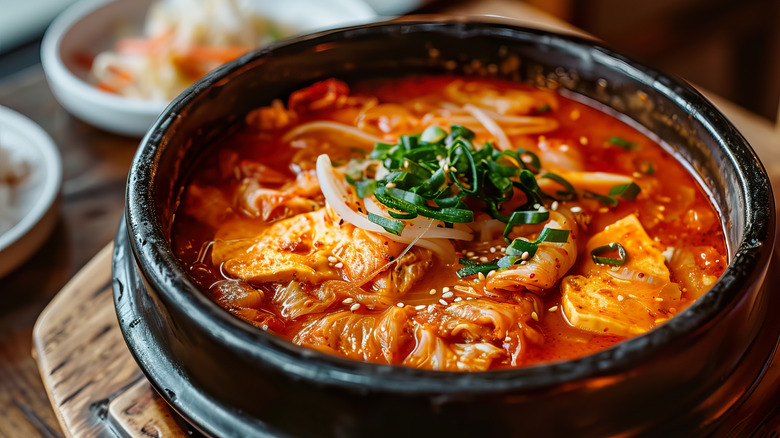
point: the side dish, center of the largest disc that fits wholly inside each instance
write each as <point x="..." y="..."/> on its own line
<point x="448" y="223"/>
<point x="183" y="40"/>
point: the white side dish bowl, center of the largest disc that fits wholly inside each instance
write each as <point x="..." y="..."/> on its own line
<point x="92" y="26"/>
<point x="34" y="199"/>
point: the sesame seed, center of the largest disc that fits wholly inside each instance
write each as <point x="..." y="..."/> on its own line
<point x="525" y="255"/>
<point x="332" y="259"/>
<point x="264" y="327"/>
<point x="534" y="316"/>
<point x="485" y="242"/>
<point x="554" y="205"/>
<point x="420" y="307"/>
<point x="447" y="295"/>
<point x="583" y="140"/>
<point x="339" y="265"/>
<point x="537" y="206"/>
<point x="492" y="250"/>
<point x="603" y="210"/>
<point x="480" y="277"/>
<point x="390" y="185"/>
<point x="636" y="175"/>
<point x="483" y="259"/>
<point x="348" y="301"/>
<point x="507" y="339"/>
<point x="659" y="299"/>
<point x="469" y="253"/>
<point x="355" y="307"/>
<point x="432" y="292"/>
<point x="469" y="298"/>
<point x="457" y="299"/>
<point x="564" y="147"/>
<point x="620" y="298"/>
<point x="492" y="271"/>
<point x="460" y="288"/>
<point x="443" y="303"/>
<point x="576" y="209"/>
<point x="552" y="309"/>
<point x="445" y="289"/>
<point x="401" y="305"/>
<point x="542" y="209"/>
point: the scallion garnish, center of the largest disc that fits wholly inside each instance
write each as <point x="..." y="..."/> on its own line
<point x="626" y="191"/>
<point x="473" y="269"/>
<point x="623" y="143"/>
<point x="606" y="200"/>
<point x="390" y="225"/>
<point x="569" y="193"/>
<point x="524" y="218"/>
<point x="433" y="134"/>
<point x="522" y="249"/>
<point x="598" y="254"/>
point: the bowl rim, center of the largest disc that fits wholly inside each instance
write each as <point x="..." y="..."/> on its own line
<point x="65" y="82"/>
<point x="750" y="258"/>
<point x="50" y="166"/>
<point x="59" y="73"/>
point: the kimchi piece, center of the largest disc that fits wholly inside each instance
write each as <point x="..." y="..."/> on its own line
<point x="446" y="223"/>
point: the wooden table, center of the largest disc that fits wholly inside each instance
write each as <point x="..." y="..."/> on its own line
<point x="95" y="169"/>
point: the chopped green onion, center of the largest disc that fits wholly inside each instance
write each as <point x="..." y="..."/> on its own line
<point x="390" y="225"/>
<point x="544" y="108"/>
<point x="564" y="195"/>
<point x="396" y="215"/>
<point x="473" y="269"/>
<point x="612" y="247"/>
<point x="606" y="200"/>
<point x="647" y="168"/>
<point x="553" y="235"/>
<point x="461" y="131"/>
<point x="460" y="148"/>
<point x="626" y="191"/>
<point x="365" y="188"/>
<point x="531" y="189"/>
<point x="524" y="218"/>
<point x="433" y="134"/>
<point x="623" y="143"/>
<point x="520" y="246"/>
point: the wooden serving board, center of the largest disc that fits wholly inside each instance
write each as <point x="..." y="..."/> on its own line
<point x="94" y="385"/>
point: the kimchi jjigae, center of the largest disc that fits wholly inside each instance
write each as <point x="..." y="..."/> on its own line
<point x="447" y="223"/>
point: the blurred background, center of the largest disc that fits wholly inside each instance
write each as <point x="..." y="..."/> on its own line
<point x="730" y="47"/>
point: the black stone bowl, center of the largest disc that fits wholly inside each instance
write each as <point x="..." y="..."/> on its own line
<point x="228" y="378"/>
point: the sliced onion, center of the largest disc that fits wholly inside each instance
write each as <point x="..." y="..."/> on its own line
<point x="331" y="126"/>
<point x="336" y="196"/>
<point x="490" y="125"/>
<point x="422" y="225"/>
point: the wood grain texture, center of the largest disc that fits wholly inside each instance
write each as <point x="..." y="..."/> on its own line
<point x="95" y="170"/>
<point x="92" y="380"/>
